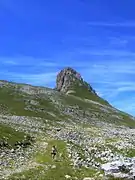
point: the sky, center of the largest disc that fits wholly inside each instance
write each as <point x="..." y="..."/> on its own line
<point x="96" y="37"/>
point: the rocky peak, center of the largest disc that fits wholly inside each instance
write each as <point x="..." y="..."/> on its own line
<point x="67" y="78"/>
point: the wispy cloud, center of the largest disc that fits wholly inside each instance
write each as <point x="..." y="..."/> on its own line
<point x="27" y="61"/>
<point x="113" y="24"/>
<point x="118" y="42"/>
<point x="10" y="62"/>
<point x="127" y="105"/>
<point x="45" y="79"/>
<point x="111" y="79"/>
<point x="108" y="52"/>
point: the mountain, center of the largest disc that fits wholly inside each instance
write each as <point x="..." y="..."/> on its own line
<point x="69" y="79"/>
<point x="94" y="139"/>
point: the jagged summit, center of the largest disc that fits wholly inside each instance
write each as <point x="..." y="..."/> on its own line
<point x="69" y="79"/>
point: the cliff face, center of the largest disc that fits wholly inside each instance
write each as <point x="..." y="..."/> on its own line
<point x="68" y="79"/>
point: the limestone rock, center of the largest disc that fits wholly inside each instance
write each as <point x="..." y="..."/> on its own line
<point x="68" y="78"/>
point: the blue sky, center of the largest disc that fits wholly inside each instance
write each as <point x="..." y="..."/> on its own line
<point x="38" y="38"/>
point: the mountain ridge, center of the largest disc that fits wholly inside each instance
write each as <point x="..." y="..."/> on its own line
<point x="83" y="86"/>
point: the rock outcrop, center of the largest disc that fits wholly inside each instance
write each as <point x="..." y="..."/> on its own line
<point x="68" y="78"/>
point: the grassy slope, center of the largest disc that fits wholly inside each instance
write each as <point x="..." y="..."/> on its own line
<point x="10" y="135"/>
<point x="126" y="121"/>
<point x="83" y="92"/>
<point x="15" y="104"/>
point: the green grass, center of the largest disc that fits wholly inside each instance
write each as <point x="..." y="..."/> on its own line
<point x="111" y="140"/>
<point x="130" y="152"/>
<point x="126" y="120"/>
<point x="10" y="135"/>
<point x="83" y="92"/>
<point x="15" y="103"/>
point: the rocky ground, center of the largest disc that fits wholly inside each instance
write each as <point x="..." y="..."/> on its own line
<point x="108" y="149"/>
<point x="111" y="150"/>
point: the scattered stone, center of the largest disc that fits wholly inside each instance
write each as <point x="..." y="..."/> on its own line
<point x="67" y="176"/>
<point x="53" y="167"/>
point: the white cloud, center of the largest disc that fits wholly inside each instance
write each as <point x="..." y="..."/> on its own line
<point x="10" y="62"/>
<point x="37" y="78"/>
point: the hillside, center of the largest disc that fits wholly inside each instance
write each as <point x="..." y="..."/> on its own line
<point x="90" y="134"/>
